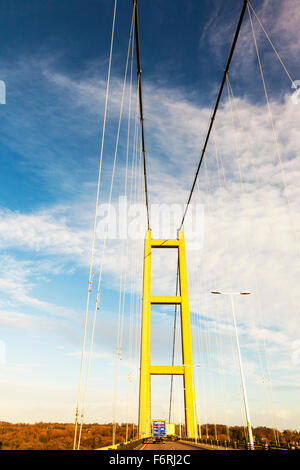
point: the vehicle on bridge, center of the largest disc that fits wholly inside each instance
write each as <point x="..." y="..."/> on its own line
<point x="170" y="431"/>
<point x="159" y="430"/>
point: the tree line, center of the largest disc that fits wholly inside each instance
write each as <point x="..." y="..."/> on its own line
<point x="59" y="436"/>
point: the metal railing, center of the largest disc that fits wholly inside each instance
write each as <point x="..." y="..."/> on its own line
<point x="243" y="445"/>
<point x="222" y="444"/>
<point x="130" y="445"/>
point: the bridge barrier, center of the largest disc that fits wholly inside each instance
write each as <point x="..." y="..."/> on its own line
<point x="222" y="444"/>
<point x="129" y="445"/>
<point x="242" y="445"/>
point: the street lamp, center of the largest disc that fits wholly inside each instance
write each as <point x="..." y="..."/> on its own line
<point x="240" y="363"/>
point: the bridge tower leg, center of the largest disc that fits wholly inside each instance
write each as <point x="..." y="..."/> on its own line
<point x="186" y="369"/>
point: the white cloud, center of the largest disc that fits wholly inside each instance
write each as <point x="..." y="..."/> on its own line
<point x="43" y="231"/>
<point x="18" y="320"/>
<point x="18" y="278"/>
<point x="177" y="129"/>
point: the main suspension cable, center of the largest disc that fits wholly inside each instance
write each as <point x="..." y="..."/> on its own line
<point x="237" y="32"/>
<point x="139" y="75"/>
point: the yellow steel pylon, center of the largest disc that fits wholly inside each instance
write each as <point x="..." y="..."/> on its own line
<point x="186" y="369"/>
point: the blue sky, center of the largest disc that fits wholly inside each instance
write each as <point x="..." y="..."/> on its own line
<point x="54" y="59"/>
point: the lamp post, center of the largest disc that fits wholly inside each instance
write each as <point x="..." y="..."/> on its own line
<point x="240" y="362"/>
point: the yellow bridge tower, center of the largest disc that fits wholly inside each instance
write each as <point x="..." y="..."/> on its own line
<point x="186" y="369"/>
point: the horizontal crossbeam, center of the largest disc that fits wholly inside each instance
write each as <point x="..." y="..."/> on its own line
<point x="167" y="370"/>
<point x="164" y="243"/>
<point x="169" y="300"/>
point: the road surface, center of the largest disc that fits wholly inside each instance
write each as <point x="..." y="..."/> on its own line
<point x="169" y="445"/>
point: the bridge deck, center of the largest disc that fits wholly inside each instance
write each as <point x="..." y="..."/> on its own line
<point x="169" y="445"/>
